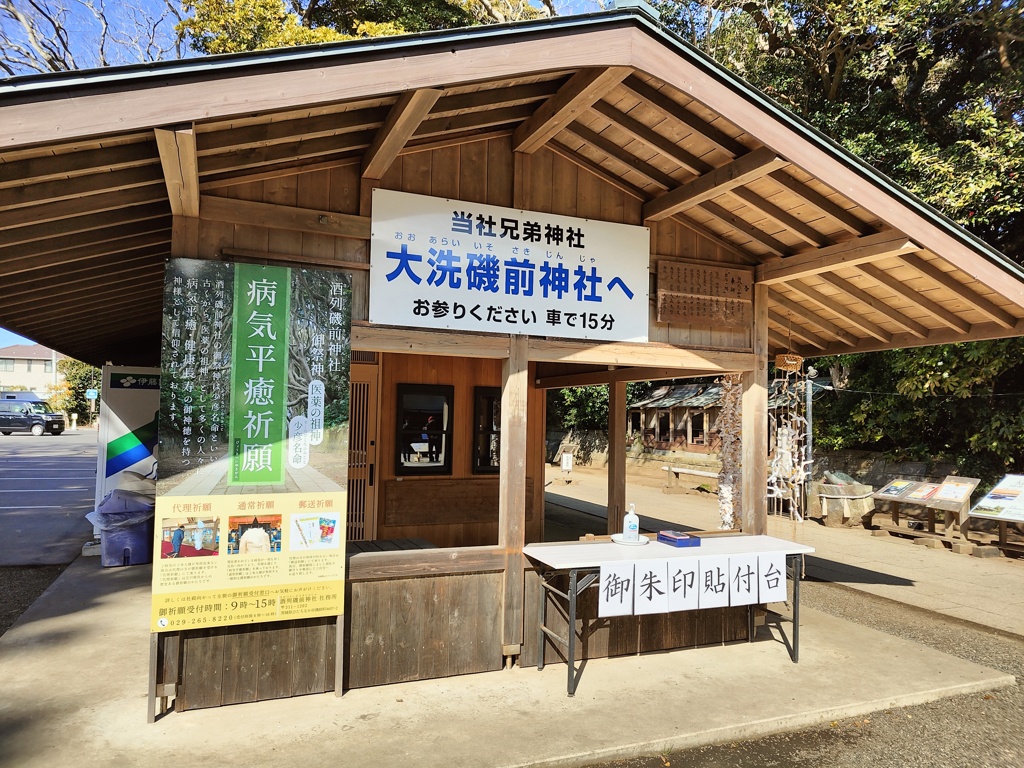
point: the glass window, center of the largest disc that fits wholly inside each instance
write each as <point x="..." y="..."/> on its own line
<point x="486" y="430"/>
<point x="6" y="364"/>
<point x="28" y="366"/>
<point x="424" y="419"/>
<point x="47" y="366"/>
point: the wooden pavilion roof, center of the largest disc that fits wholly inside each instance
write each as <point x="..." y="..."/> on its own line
<point x="95" y="166"/>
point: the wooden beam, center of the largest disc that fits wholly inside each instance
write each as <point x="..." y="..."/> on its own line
<point x="91" y="204"/>
<point x="60" y="166"/>
<point x="836" y="212"/>
<point x="453" y="140"/>
<point x="181" y="169"/>
<point x="294" y="153"/>
<point x="876" y="304"/>
<point x="255" y="214"/>
<point x="97" y="268"/>
<point x="754" y="420"/>
<point x="779" y="343"/>
<point x="740" y="225"/>
<point x="512" y="489"/>
<point x="978" y="332"/>
<point x="677" y="111"/>
<point x="591" y="167"/>
<point x="850" y="253"/>
<point x="376" y="338"/>
<point x="653" y="139"/>
<point x="441" y="126"/>
<point x="115" y="283"/>
<point x="830" y="303"/>
<point x="291" y="260"/>
<point x="805" y="232"/>
<point x="79" y="186"/>
<point x="898" y="287"/>
<point x="575" y="97"/>
<point x="403" y="119"/>
<point x="89" y="322"/>
<point x="88" y="222"/>
<point x="623" y="157"/>
<point x="611" y="375"/>
<point x="748" y="258"/>
<point x="410" y="563"/>
<point x="743" y="170"/>
<point x="814" y="318"/>
<point x="616" y="455"/>
<point x="964" y="293"/>
<point x="277" y="171"/>
<point x="652" y="354"/>
<point x="787" y="326"/>
<point x="490" y="98"/>
<point x="210" y="143"/>
<point x="84" y="245"/>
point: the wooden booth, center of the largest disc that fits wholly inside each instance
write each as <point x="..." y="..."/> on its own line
<point x="763" y="238"/>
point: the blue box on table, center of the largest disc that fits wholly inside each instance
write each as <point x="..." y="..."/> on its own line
<point x="678" y="539"/>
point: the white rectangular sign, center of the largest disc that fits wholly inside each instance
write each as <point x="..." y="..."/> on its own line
<point x="772" y="578"/>
<point x="652" y="588"/>
<point x="743" y="579"/>
<point x="714" y="581"/>
<point x="616" y="590"/>
<point x="440" y="263"/>
<point x="683" y="586"/>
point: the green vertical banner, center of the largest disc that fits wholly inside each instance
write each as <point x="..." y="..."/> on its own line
<point x="258" y="424"/>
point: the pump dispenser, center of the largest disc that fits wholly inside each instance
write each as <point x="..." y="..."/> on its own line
<point x="631" y="525"/>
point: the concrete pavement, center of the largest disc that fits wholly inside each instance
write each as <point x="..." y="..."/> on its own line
<point x="73" y="675"/>
<point x="987" y="592"/>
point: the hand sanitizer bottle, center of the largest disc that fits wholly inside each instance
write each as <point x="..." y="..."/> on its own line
<point x="631" y="525"/>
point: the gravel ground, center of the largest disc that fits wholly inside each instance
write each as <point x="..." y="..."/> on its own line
<point x="20" y="586"/>
<point x="983" y="730"/>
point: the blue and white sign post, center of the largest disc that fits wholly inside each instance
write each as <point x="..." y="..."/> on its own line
<point x="439" y="263"/>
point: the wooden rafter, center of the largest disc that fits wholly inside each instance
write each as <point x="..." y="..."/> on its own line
<point x="181" y="169"/>
<point x="575" y="97"/>
<point x="779" y="342"/>
<point x="284" y="217"/>
<point x="599" y="171"/>
<point x="829" y="303"/>
<point x="279" y="170"/>
<point x="964" y="293"/>
<point x="979" y="332"/>
<point x="652" y="139"/>
<point x="788" y="327"/>
<point x="94" y="183"/>
<point x="64" y="209"/>
<point x="87" y="271"/>
<point x="72" y="296"/>
<point x="743" y="170"/>
<point x="491" y="98"/>
<point x="799" y="310"/>
<point x="652" y="354"/>
<point x="877" y="305"/>
<point x="622" y="157"/>
<point x="83" y="245"/>
<point x="230" y="139"/>
<point x="159" y="240"/>
<point x="671" y="108"/>
<point x="473" y="121"/>
<point x="740" y="225"/>
<point x="835" y="212"/>
<point x="402" y="121"/>
<point x="88" y="222"/>
<point x="898" y="287"/>
<point x="805" y="232"/>
<point x="850" y="253"/>
<point x="293" y="153"/>
<point x="65" y="165"/>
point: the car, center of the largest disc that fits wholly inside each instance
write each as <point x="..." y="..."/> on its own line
<point x="33" y="416"/>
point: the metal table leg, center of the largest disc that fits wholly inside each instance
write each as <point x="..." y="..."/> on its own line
<point x="794" y="566"/>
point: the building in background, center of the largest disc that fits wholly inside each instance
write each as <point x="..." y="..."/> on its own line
<point x="29" y="366"/>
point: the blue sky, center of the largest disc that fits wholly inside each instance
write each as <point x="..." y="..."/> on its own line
<point x="7" y="338"/>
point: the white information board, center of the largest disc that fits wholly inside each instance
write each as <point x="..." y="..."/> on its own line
<point x="440" y="263"/>
<point x="1005" y="502"/>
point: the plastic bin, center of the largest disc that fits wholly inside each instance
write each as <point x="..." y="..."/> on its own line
<point x="125" y="520"/>
<point x="131" y="545"/>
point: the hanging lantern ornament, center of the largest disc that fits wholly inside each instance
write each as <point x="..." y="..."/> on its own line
<point x="789" y="362"/>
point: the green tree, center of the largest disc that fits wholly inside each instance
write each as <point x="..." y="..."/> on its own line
<point x="69" y="395"/>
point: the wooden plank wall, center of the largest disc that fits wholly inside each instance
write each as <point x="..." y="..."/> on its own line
<point x="416" y="629"/>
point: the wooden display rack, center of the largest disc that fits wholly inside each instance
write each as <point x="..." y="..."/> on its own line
<point x="952" y="497"/>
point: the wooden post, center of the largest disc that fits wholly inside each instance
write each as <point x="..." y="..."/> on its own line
<point x="754" y="511"/>
<point x="616" y="455"/>
<point x="512" y="490"/>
